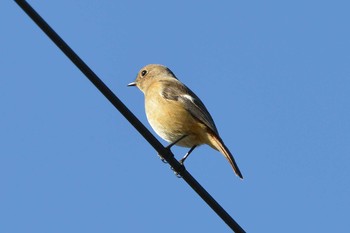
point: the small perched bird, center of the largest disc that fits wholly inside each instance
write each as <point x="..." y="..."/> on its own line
<point x="176" y="114"/>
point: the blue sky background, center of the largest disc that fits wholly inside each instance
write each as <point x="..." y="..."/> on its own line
<point x="275" y="76"/>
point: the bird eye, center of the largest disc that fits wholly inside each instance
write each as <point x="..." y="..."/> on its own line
<point x="143" y="73"/>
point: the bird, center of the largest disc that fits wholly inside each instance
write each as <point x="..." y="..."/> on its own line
<point x="176" y="113"/>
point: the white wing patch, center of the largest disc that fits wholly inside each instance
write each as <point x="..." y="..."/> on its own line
<point x="188" y="97"/>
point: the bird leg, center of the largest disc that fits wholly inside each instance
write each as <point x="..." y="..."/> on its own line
<point x="177" y="140"/>
<point x="182" y="161"/>
<point x="170" y="145"/>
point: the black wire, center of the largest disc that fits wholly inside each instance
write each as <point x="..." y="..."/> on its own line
<point x="166" y="154"/>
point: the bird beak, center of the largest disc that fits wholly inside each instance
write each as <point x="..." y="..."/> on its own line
<point x="132" y="84"/>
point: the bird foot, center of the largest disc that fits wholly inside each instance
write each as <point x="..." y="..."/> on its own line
<point x="176" y="173"/>
<point x="162" y="159"/>
<point x="182" y="161"/>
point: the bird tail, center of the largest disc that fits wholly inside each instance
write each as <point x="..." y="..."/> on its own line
<point x="219" y="145"/>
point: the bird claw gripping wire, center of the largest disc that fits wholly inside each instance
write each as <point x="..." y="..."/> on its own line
<point x="176" y="173"/>
<point x="162" y="159"/>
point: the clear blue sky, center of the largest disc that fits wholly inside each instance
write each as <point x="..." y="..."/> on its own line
<point x="274" y="75"/>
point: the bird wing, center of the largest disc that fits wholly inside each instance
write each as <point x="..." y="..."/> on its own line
<point x="177" y="91"/>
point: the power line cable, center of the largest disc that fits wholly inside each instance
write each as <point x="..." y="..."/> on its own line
<point x="165" y="153"/>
